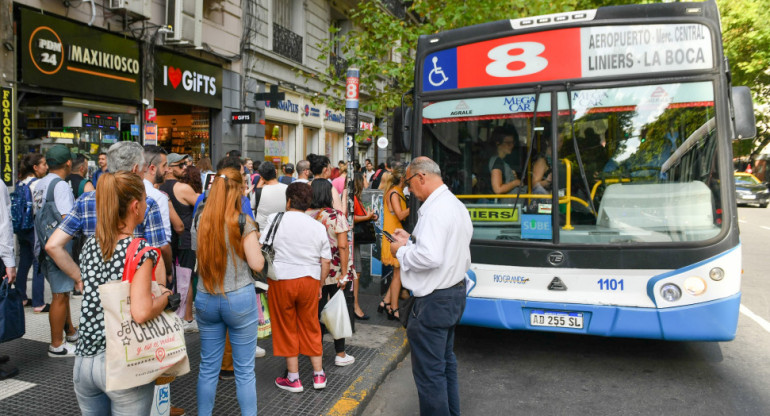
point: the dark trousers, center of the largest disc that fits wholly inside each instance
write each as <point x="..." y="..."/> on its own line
<point x="431" y="334"/>
<point x="27" y="259"/>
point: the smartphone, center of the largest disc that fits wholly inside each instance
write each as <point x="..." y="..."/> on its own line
<point x="385" y="233"/>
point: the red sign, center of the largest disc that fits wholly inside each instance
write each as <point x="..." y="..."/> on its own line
<point x="150" y="114"/>
<point x="520" y="59"/>
<point x="351" y="92"/>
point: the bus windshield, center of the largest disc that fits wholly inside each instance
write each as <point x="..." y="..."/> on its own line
<point x="621" y="165"/>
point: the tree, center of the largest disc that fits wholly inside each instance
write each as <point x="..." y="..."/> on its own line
<point x="746" y="38"/>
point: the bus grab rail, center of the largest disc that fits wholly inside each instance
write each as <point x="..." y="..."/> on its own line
<point x="566" y="199"/>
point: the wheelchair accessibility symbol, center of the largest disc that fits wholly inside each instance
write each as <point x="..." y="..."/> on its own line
<point x="437" y="72"/>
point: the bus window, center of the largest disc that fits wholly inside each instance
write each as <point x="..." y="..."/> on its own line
<point x="649" y="159"/>
<point x="482" y="146"/>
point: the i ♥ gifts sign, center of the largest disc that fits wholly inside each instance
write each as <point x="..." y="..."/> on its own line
<point x="185" y="80"/>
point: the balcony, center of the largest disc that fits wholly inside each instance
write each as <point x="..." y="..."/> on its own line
<point x="339" y="65"/>
<point x="287" y="43"/>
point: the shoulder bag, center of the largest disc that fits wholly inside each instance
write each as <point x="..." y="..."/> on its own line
<point x="267" y="249"/>
<point x="138" y="354"/>
<point x="363" y="232"/>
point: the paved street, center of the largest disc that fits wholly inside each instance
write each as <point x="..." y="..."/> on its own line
<point x="528" y="373"/>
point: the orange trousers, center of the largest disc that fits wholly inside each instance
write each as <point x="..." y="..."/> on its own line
<point x="294" y="317"/>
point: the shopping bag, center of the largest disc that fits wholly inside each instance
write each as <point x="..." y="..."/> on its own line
<point x="264" y="328"/>
<point x="11" y="312"/>
<point x="183" y="281"/>
<point x="336" y="318"/>
<point x="138" y="354"/>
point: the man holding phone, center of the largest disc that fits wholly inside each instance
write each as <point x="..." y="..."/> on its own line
<point x="433" y="267"/>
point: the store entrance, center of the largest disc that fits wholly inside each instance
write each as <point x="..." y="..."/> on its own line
<point x="184" y="129"/>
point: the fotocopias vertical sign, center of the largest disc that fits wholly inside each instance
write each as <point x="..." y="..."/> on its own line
<point x="6" y="156"/>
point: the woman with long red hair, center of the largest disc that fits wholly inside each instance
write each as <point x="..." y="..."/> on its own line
<point x="226" y="301"/>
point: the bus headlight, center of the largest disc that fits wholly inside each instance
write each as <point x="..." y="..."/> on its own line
<point x="716" y="274"/>
<point x="670" y="292"/>
<point x="695" y="285"/>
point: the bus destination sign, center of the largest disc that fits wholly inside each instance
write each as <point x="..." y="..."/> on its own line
<point x="587" y="52"/>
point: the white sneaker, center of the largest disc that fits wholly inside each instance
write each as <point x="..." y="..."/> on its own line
<point x="72" y="339"/>
<point x="190" y="326"/>
<point x="343" y="361"/>
<point x="64" y="350"/>
<point x="260" y="352"/>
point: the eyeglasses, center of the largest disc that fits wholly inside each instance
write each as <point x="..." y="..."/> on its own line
<point x="508" y="142"/>
<point x="406" y="182"/>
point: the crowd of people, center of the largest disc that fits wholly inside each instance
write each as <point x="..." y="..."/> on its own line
<point x="207" y="228"/>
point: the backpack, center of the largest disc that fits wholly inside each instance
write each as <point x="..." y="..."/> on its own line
<point x="22" y="212"/>
<point x="48" y="216"/>
<point x="376" y="179"/>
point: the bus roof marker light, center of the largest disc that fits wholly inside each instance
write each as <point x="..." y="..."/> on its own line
<point x="693" y="10"/>
<point x="716" y="274"/>
<point x="670" y="292"/>
<point x="695" y="286"/>
<point x="434" y="40"/>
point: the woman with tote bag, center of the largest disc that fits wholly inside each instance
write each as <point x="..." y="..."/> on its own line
<point x="120" y="207"/>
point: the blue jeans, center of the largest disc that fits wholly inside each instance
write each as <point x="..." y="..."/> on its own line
<point x="431" y="334"/>
<point x="27" y="259"/>
<point x="234" y="313"/>
<point x="89" y="376"/>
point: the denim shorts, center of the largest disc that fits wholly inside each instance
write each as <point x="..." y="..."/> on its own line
<point x="59" y="281"/>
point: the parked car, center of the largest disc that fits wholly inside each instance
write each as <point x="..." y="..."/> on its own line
<point x="750" y="190"/>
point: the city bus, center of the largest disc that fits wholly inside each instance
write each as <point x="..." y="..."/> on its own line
<point x="593" y="152"/>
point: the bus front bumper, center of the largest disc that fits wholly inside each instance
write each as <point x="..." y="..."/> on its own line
<point x="709" y="321"/>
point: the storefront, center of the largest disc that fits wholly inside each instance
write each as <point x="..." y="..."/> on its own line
<point x="334" y="123"/>
<point x="77" y="85"/>
<point x="188" y="95"/>
<point x="285" y="136"/>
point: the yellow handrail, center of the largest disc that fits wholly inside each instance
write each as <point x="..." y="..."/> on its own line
<point x="608" y="182"/>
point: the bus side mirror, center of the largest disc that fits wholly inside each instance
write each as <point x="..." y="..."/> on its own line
<point x="743" y="110"/>
<point x="402" y="130"/>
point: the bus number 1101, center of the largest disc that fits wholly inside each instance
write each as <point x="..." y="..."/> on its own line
<point x="610" y="284"/>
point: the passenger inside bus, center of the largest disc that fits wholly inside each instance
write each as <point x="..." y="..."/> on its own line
<point x="503" y="177"/>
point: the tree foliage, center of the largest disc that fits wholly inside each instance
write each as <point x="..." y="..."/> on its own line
<point x="746" y="38"/>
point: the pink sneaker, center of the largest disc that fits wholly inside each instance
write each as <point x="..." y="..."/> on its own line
<point x="292" y="386"/>
<point x="319" y="382"/>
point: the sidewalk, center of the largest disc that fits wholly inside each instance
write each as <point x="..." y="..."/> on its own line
<point x="44" y="385"/>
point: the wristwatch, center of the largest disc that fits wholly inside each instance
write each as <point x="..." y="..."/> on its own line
<point x="173" y="302"/>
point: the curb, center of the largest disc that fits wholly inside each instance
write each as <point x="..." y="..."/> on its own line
<point x="358" y="395"/>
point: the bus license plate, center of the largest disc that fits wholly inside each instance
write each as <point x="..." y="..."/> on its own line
<point x="572" y="320"/>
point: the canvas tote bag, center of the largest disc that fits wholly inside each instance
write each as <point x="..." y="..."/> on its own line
<point x="139" y="354"/>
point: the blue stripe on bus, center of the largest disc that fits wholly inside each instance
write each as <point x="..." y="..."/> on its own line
<point x="709" y="321"/>
<point x="655" y="279"/>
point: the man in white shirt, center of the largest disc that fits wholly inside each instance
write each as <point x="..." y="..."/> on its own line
<point x="303" y="171"/>
<point x="8" y="262"/>
<point x="433" y="266"/>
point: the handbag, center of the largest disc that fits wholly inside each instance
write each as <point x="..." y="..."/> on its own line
<point x="336" y="318"/>
<point x="138" y="354"/>
<point x="260" y="279"/>
<point x="405" y="309"/>
<point x="11" y="312"/>
<point x="264" y="327"/>
<point x="267" y="249"/>
<point x="363" y="233"/>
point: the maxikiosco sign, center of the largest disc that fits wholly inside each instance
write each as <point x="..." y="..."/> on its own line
<point x="65" y="55"/>
<point x="189" y="81"/>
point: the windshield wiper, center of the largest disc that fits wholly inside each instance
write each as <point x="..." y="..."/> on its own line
<point x="568" y="86"/>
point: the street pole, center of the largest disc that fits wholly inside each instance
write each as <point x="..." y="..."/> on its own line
<point x="351" y="128"/>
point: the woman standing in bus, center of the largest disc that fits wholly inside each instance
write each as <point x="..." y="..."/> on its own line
<point x="395" y="211"/>
<point x="502" y="177"/>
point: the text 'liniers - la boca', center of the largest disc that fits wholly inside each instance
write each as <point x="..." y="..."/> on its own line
<point x="650" y="58"/>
